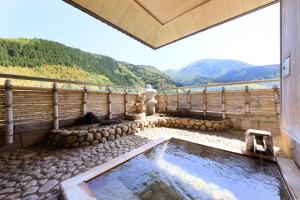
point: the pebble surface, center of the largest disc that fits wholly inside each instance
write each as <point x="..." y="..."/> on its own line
<point x="36" y="173"/>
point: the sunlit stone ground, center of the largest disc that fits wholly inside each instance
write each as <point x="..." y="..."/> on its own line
<point x="36" y="173"/>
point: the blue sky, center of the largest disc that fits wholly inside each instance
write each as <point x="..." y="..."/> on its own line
<point x="254" y="38"/>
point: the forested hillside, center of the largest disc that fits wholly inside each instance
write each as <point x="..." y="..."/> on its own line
<point x="52" y="59"/>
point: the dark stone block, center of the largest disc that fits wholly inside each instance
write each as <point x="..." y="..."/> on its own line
<point x="88" y="119"/>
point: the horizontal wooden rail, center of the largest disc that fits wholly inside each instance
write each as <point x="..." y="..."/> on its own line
<point x="223" y="84"/>
<point x="33" y="78"/>
<point x="29" y="88"/>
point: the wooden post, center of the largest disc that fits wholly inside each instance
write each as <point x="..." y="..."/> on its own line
<point x="223" y="103"/>
<point x="276" y="99"/>
<point x="55" y="104"/>
<point x="177" y="100"/>
<point x="205" y="101"/>
<point x="9" y="112"/>
<point x="109" y="103"/>
<point x="85" y="99"/>
<point x="137" y="101"/>
<point x="247" y="100"/>
<point x="166" y="102"/>
<point x="125" y="101"/>
<point x="189" y="100"/>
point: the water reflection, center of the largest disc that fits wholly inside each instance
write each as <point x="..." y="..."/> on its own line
<point x="180" y="170"/>
<point x="207" y="190"/>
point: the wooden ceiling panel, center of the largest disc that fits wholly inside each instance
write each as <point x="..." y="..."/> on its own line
<point x="235" y="7"/>
<point x="167" y="10"/>
<point x="94" y="5"/>
<point x="156" y="23"/>
<point x="198" y="18"/>
<point x="130" y="18"/>
<point x="264" y="2"/>
<point x="81" y="2"/>
<point x="122" y="12"/>
<point x="108" y="9"/>
<point x="209" y="12"/>
<point x="249" y="5"/>
<point x="221" y="7"/>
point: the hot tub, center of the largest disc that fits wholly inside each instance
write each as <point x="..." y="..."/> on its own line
<point x="177" y="169"/>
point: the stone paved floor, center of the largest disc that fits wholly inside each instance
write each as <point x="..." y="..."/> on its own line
<point x="36" y="173"/>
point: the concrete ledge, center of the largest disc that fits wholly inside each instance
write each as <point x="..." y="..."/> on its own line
<point x="291" y="175"/>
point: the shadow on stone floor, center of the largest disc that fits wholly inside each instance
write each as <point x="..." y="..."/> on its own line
<point x="35" y="173"/>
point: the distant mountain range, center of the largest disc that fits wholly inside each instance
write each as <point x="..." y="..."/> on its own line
<point x="37" y="57"/>
<point x="221" y="71"/>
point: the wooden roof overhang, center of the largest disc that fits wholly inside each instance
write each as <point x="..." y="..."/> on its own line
<point x="157" y="23"/>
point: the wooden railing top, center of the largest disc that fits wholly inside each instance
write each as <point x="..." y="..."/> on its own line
<point x="223" y="84"/>
<point x="33" y="78"/>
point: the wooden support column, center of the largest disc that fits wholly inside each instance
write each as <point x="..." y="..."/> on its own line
<point x="85" y="99"/>
<point x="276" y="99"/>
<point x="55" y="106"/>
<point x="223" y="103"/>
<point x="9" y="112"/>
<point x="189" y="97"/>
<point x="137" y="101"/>
<point x="247" y="100"/>
<point x="205" y="101"/>
<point x="177" y="100"/>
<point x="109" y="103"/>
<point x="125" y="101"/>
<point x="166" y="102"/>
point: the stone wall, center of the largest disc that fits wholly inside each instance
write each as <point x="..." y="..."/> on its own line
<point x="94" y="134"/>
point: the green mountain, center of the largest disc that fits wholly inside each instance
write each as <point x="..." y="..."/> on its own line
<point x="221" y="71"/>
<point x="51" y="59"/>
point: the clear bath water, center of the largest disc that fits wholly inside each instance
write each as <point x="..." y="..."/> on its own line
<point x="181" y="170"/>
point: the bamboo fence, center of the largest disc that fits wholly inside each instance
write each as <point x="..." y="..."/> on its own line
<point x="264" y="102"/>
<point x="21" y="105"/>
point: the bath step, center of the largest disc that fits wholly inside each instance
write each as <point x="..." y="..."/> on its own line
<point x="115" y="190"/>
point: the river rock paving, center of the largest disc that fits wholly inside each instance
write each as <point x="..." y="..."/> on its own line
<point x="230" y="138"/>
<point x="36" y="173"/>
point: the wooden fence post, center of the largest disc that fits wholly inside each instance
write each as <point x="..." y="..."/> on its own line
<point x="125" y="101"/>
<point x="85" y="99"/>
<point x="166" y="102"/>
<point x="276" y="99"/>
<point x="109" y="103"/>
<point x="189" y="100"/>
<point x="9" y="112"/>
<point x="205" y="101"/>
<point x="247" y="100"/>
<point x="55" y="104"/>
<point x="223" y="103"/>
<point x="138" y="99"/>
<point x="177" y="100"/>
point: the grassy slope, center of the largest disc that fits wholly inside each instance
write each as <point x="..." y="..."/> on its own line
<point x="53" y="71"/>
<point x="52" y="59"/>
